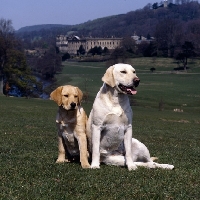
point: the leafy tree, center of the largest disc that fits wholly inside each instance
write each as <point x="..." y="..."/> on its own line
<point x="129" y="45"/>
<point x="155" y="6"/>
<point x="187" y="52"/>
<point x="96" y="50"/>
<point x="18" y="74"/>
<point x="152" y="69"/>
<point x="65" y="56"/>
<point x="147" y="49"/>
<point x="45" y="64"/>
<point x="126" y="50"/>
<point x="7" y="42"/>
<point x="117" y="56"/>
<point x="193" y="33"/>
<point x="13" y="67"/>
<point x="168" y="35"/>
<point x="49" y="64"/>
<point x="92" y="51"/>
<point x="57" y="50"/>
<point x="99" y="50"/>
<point x="148" y="36"/>
<point x="81" y="50"/>
<point x="105" y="50"/>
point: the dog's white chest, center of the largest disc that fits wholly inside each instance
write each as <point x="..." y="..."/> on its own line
<point x="116" y="111"/>
<point x="112" y="136"/>
<point x="70" y="140"/>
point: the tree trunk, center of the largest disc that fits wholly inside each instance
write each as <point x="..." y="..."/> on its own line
<point x="185" y="65"/>
<point x="1" y="75"/>
<point x="1" y="85"/>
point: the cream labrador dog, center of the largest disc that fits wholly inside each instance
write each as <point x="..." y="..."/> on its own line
<point x="109" y="127"/>
<point x="71" y="123"/>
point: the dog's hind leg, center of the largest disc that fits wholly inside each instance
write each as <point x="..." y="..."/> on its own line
<point x="163" y="166"/>
<point x="152" y="165"/>
<point x="117" y="160"/>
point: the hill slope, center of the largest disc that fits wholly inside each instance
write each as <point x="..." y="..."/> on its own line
<point x="41" y="27"/>
<point x="141" y="22"/>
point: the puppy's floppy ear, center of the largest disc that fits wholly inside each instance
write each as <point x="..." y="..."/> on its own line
<point x="108" y="77"/>
<point x="80" y="95"/>
<point x="56" y="95"/>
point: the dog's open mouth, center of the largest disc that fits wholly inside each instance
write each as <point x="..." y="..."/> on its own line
<point x="128" y="90"/>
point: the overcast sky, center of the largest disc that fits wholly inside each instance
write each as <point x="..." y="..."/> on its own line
<point x="70" y="12"/>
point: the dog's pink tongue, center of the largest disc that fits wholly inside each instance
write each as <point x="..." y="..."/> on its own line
<point x="132" y="91"/>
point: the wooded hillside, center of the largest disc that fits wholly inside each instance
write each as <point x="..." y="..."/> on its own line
<point x="142" y="22"/>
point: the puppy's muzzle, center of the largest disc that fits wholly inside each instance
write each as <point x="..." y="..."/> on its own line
<point x="136" y="82"/>
<point x="73" y="105"/>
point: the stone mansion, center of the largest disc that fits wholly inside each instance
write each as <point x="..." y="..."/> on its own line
<point x="71" y="44"/>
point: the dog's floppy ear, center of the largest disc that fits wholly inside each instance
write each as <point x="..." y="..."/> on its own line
<point x="108" y="77"/>
<point x="56" y="95"/>
<point x="80" y="95"/>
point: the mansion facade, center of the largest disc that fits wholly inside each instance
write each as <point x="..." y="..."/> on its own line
<point x="72" y="44"/>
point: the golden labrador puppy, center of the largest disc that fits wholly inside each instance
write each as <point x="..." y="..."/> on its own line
<point x="71" y="122"/>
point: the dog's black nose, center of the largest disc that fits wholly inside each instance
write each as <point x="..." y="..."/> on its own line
<point x="73" y="105"/>
<point x="136" y="82"/>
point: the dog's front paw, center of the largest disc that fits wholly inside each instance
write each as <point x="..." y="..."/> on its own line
<point x="62" y="160"/>
<point x="132" y="167"/>
<point x="85" y="165"/>
<point x="95" y="166"/>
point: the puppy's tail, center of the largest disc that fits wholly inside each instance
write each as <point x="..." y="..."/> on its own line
<point x="154" y="158"/>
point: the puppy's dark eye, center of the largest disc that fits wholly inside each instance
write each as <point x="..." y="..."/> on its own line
<point x="75" y="96"/>
<point x="66" y="95"/>
<point x="123" y="72"/>
<point x="134" y="72"/>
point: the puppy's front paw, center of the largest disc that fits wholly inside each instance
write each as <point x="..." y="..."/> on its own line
<point x="62" y="160"/>
<point x="85" y="165"/>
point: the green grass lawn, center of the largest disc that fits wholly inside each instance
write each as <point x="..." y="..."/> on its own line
<point x="28" y="144"/>
<point x="176" y="90"/>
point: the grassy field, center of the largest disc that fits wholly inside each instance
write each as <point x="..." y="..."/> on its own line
<point x="28" y="144"/>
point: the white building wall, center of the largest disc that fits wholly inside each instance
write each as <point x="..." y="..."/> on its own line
<point x="72" y="45"/>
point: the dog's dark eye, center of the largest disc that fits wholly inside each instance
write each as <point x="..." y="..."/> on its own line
<point x="66" y="95"/>
<point x="123" y="72"/>
<point x="134" y="72"/>
<point x="75" y="96"/>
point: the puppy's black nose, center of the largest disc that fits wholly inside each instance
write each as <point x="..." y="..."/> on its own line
<point x="73" y="105"/>
<point x="136" y="82"/>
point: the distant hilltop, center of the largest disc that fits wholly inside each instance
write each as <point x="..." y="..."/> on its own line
<point x="40" y="27"/>
<point x="143" y="21"/>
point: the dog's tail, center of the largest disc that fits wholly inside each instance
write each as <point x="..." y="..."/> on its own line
<point x="154" y="158"/>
